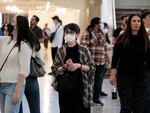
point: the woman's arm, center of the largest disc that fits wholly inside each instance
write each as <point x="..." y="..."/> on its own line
<point x="115" y="61"/>
<point x="24" y="69"/>
<point x="147" y="58"/>
<point x="89" y="65"/>
<point x="58" y="64"/>
<point x="20" y="82"/>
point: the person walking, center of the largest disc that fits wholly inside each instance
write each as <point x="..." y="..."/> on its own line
<point x="131" y="52"/>
<point x="15" y="55"/>
<point x="94" y="40"/>
<point x="32" y="91"/>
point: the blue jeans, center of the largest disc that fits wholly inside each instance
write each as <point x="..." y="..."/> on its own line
<point x="6" y="92"/>
<point x="98" y="81"/>
<point x="32" y="94"/>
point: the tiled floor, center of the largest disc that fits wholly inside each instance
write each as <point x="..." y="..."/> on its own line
<point x="49" y="97"/>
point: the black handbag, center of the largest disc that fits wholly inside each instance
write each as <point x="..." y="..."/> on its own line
<point x="37" y="67"/>
<point x="65" y="82"/>
<point x="53" y="35"/>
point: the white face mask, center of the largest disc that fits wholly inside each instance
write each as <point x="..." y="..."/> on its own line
<point x="70" y="38"/>
<point x="101" y="25"/>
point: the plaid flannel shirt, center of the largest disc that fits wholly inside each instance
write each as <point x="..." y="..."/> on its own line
<point x="97" y="45"/>
<point x="88" y="77"/>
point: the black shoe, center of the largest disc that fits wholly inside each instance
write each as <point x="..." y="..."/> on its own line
<point x="103" y="94"/>
<point x="98" y="102"/>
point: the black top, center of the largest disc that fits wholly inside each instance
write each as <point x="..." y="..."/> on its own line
<point x="38" y="32"/>
<point x="73" y="53"/>
<point x="131" y="59"/>
<point x="117" y="32"/>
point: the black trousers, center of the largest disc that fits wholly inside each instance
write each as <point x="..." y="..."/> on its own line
<point x="72" y="103"/>
<point x="147" y="99"/>
<point x="132" y="93"/>
<point x="54" y="51"/>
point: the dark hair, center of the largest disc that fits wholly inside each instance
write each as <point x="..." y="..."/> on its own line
<point x="144" y="13"/>
<point x="124" y="38"/>
<point x="94" y="21"/>
<point x="25" y="34"/>
<point x="57" y="18"/>
<point x="105" y="24"/>
<point x="73" y="27"/>
<point x="36" y="18"/>
<point x="10" y="28"/>
<point x="123" y="16"/>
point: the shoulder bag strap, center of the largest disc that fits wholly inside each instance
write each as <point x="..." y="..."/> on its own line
<point x="6" y="58"/>
<point x="57" y="28"/>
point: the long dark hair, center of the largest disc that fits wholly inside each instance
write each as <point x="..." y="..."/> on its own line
<point x="124" y="38"/>
<point x="94" y="21"/>
<point x="25" y="34"/>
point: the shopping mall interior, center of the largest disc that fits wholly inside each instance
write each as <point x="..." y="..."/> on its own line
<point x="70" y="11"/>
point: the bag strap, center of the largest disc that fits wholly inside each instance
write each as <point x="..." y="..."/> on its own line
<point x="57" y="28"/>
<point x="6" y="58"/>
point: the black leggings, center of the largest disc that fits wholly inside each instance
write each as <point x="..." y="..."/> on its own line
<point x="132" y="93"/>
<point x="54" y="51"/>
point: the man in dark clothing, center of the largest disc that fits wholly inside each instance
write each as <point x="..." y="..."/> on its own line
<point x="117" y="31"/>
<point x="36" y="29"/>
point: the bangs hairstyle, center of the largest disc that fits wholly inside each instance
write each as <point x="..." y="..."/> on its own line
<point x="124" y="38"/>
<point x="73" y="27"/>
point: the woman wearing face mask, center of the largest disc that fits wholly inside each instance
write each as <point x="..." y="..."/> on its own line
<point x="74" y="59"/>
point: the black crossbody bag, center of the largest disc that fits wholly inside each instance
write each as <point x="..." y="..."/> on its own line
<point x="53" y="35"/>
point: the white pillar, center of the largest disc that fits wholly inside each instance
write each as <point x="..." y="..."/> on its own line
<point x="108" y="12"/>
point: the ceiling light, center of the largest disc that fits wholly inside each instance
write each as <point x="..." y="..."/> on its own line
<point x="14" y="8"/>
<point x="39" y="7"/>
<point x="47" y="6"/>
<point x="7" y="0"/>
<point x="61" y="10"/>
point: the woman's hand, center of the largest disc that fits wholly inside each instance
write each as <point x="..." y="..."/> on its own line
<point x="112" y="77"/>
<point x="15" y="98"/>
<point x="69" y="62"/>
<point x="148" y="32"/>
<point x="20" y="84"/>
<point x="74" y="67"/>
<point x="61" y="69"/>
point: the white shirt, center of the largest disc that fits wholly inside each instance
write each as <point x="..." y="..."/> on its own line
<point x="18" y="62"/>
<point x="58" y="39"/>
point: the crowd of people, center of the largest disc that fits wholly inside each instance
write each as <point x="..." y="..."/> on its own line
<point x="78" y="67"/>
